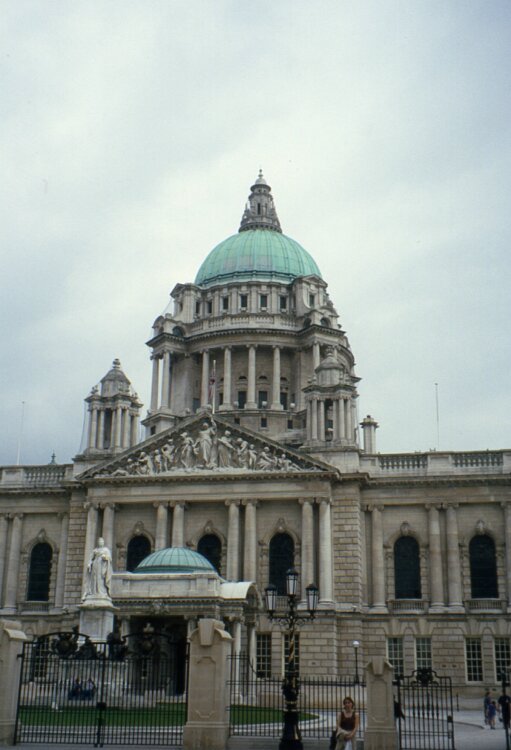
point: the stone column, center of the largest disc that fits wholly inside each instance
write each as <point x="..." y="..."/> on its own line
<point x="61" y="569"/>
<point x="250" y="552"/>
<point x="108" y="525"/>
<point x="314" y="419"/>
<point x="251" y="384"/>
<point x="321" y="420"/>
<point x="227" y="404"/>
<point x="275" y="404"/>
<point x="4" y="525"/>
<point x="11" y="585"/>
<point x="347" y="420"/>
<point x="435" y="558"/>
<point x="252" y="646"/>
<point x="161" y="536"/>
<point x="178" y="524"/>
<point x="134" y="430"/>
<point x="377" y="558"/>
<point x="307" y="576"/>
<point x="453" y="559"/>
<point x="101" y="431"/>
<point x="316" y="355"/>
<point x="126" y="428"/>
<point x="165" y="381"/>
<point x="117" y="428"/>
<point x="380" y="733"/>
<point x="325" y="550"/>
<point x="204" y="390"/>
<point x="233" y="540"/>
<point x="207" y="723"/>
<point x="335" y="419"/>
<point x="507" y="536"/>
<point x="11" y="645"/>
<point x="341" y="424"/>
<point x="93" y="427"/>
<point x="90" y="537"/>
<point x="155" y="382"/>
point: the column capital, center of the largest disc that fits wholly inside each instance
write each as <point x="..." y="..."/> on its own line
<point x="16" y="516"/>
<point x="375" y="506"/>
<point x="304" y="500"/>
<point x="88" y="505"/>
<point x="250" y="501"/>
<point x="177" y="504"/>
<point x="451" y="506"/>
<point x="323" y="500"/>
<point x="161" y="504"/>
<point x="251" y="346"/>
<point x="156" y="355"/>
<point x="433" y="506"/>
<point x="111" y="506"/>
<point x="62" y="515"/>
<point x="232" y="502"/>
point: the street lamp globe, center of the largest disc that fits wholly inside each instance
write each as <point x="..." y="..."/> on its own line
<point x="312" y="593"/>
<point x="292" y="582"/>
<point x="270" y="596"/>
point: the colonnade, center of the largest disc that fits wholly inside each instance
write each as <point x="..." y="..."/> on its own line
<point x="241" y="560"/>
<point x="438" y="587"/>
<point x="343" y="417"/>
<point x="122" y="432"/>
<point x="161" y="388"/>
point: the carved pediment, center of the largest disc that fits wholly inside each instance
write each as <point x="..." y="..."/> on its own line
<point x="205" y="444"/>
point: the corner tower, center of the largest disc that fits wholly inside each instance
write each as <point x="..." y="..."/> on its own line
<point x="247" y="337"/>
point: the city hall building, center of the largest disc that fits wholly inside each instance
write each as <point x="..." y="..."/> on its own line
<point x="255" y="460"/>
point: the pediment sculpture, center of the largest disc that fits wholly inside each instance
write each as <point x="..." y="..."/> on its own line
<point x="208" y="447"/>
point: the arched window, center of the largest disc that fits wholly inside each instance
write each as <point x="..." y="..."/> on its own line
<point x="211" y="547"/>
<point x="483" y="567"/>
<point x="138" y="548"/>
<point x="39" y="573"/>
<point x="407" y="568"/>
<point x="282" y="553"/>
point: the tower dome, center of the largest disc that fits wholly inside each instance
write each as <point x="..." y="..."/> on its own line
<point x="175" y="560"/>
<point x="259" y="252"/>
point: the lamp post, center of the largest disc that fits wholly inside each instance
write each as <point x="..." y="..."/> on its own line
<point x="291" y="737"/>
<point x="356" y="646"/>
<point x="505" y="704"/>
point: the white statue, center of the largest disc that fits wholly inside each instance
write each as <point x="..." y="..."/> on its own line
<point x="99" y="571"/>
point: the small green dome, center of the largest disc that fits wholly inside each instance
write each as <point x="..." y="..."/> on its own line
<point x="256" y="254"/>
<point x="174" y="560"/>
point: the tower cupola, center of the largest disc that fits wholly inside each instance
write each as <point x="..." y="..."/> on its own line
<point x="260" y="210"/>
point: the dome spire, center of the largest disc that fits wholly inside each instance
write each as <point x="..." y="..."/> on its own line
<point x="260" y="210"/>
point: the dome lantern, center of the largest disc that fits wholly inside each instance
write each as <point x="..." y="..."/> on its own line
<point x="260" y="210"/>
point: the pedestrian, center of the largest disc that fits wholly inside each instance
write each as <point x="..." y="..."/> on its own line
<point x="505" y="709"/>
<point x="492" y="714"/>
<point x="486" y="703"/>
<point x="347" y="725"/>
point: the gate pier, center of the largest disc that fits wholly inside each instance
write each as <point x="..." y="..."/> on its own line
<point x="11" y="645"/>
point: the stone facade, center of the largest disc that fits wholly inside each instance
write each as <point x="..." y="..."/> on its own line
<point x="253" y="440"/>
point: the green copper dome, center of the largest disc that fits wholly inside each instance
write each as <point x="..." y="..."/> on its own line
<point x="174" y="560"/>
<point x="256" y="254"/>
<point x="259" y="252"/>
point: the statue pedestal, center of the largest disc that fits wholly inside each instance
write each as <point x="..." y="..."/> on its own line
<point x="97" y="617"/>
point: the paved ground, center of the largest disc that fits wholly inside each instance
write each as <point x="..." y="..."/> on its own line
<point x="470" y="734"/>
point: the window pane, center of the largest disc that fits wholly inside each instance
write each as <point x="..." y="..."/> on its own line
<point x="39" y="573"/>
<point x="474" y="660"/>
<point x="483" y="567"/>
<point x="423" y="653"/>
<point x="211" y="547"/>
<point x="502" y="657"/>
<point x="263" y="644"/>
<point x="281" y="559"/>
<point x="407" y="568"/>
<point x="138" y="549"/>
<point x="395" y="655"/>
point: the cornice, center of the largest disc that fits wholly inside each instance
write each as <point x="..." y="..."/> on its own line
<point x="439" y="481"/>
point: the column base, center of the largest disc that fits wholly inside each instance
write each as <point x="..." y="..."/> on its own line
<point x="225" y="407"/>
<point x="276" y="407"/>
<point x="437" y="609"/>
<point x="378" y="609"/>
<point x="250" y="405"/>
<point x="457" y="609"/>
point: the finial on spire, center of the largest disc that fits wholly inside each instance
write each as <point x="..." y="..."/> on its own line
<point x="260" y="210"/>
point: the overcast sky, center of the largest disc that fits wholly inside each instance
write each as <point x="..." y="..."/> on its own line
<point x="131" y="131"/>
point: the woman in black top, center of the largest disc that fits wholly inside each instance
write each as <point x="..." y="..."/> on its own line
<point x="347" y="725"/>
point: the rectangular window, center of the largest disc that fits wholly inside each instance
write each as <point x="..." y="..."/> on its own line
<point x="220" y="398"/>
<point x="263" y="654"/>
<point x="225" y="303"/>
<point x="289" y="424"/>
<point x="423" y="653"/>
<point x="283" y="303"/>
<point x="502" y="657"/>
<point x="312" y="300"/>
<point x="395" y="655"/>
<point x="263" y="301"/>
<point x="474" y="658"/>
<point x="197" y="308"/>
<point x="283" y="400"/>
<point x="264" y="422"/>
<point x="209" y="306"/>
<point x="242" y="399"/>
<point x="262" y="399"/>
<point x="286" y="653"/>
<point x="243" y="301"/>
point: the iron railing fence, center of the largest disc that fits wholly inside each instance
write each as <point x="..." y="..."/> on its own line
<point x="257" y="703"/>
<point x="73" y="691"/>
<point x="426" y="707"/>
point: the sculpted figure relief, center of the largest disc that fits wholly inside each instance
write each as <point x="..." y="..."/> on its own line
<point x="209" y="450"/>
<point x="99" y="572"/>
